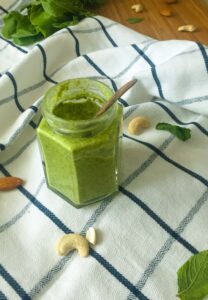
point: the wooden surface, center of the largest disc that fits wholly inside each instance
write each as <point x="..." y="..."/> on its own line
<point x="162" y="28"/>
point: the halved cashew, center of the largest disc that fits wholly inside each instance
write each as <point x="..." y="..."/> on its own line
<point x="91" y="235"/>
<point x="136" y="124"/>
<point x="189" y="28"/>
<point x="72" y="241"/>
<point x="137" y="7"/>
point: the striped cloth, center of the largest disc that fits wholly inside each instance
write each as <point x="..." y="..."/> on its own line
<point x="157" y="220"/>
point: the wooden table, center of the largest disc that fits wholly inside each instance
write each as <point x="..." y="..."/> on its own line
<point x="162" y="28"/>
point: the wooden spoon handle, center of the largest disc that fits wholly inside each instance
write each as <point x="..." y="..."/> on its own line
<point x="116" y="96"/>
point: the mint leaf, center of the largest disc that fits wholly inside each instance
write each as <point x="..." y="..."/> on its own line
<point x="180" y="132"/>
<point x="193" y="278"/>
<point x="135" y="20"/>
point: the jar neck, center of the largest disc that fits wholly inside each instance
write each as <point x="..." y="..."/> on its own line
<point x="70" y="92"/>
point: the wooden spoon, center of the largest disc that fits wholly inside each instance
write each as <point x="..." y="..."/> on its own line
<point x="116" y="96"/>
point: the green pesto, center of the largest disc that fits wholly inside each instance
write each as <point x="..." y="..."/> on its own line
<point x="81" y="108"/>
<point x="82" y="169"/>
<point x="80" y="152"/>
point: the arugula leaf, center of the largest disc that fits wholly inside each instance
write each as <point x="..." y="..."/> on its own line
<point x="180" y="132"/>
<point x="193" y="278"/>
<point x="135" y="20"/>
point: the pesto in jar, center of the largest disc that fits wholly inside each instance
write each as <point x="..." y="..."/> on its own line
<point x="80" y="151"/>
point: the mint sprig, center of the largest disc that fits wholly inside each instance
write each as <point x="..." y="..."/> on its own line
<point x="193" y="278"/>
<point x="134" y="20"/>
<point x="180" y="132"/>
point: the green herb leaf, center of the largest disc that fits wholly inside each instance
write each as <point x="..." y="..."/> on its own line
<point x="193" y="278"/>
<point x="24" y="41"/>
<point x="62" y="7"/>
<point x="42" y="21"/>
<point x="71" y="22"/>
<point x="10" y="24"/>
<point x="24" y="28"/>
<point x="180" y="132"/>
<point x="135" y="20"/>
<point x="19" y="28"/>
<point x="41" y="18"/>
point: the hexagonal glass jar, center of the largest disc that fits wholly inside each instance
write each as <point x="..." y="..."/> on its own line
<point x="80" y="152"/>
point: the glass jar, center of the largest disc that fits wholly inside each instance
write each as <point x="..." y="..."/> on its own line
<point x="80" y="151"/>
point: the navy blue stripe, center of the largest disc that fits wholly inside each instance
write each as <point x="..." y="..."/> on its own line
<point x="2" y="147"/>
<point x="153" y="69"/>
<point x="106" y="33"/>
<point x="173" y="116"/>
<point x="204" y="54"/>
<point x="14" y="284"/>
<point x="3" y="9"/>
<point x="13" y="45"/>
<point x="118" y="275"/>
<point x="45" y="64"/>
<point x="19" y="106"/>
<point x="76" y="41"/>
<point x="123" y="102"/>
<point x="11" y="6"/>
<point x="44" y="209"/>
<point x="89" y="60"/>
<point x="166" y="158"/>
<point x="34" y="108"/>
<point x="158" y="220"/>
<point x="39" y="205"/>
<point x="96" y="67"/>
<point x="66" y="230"/>
<point x="2" y="296"/>
<point x="39" y="84"/>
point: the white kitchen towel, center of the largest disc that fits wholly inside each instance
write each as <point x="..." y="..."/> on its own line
<point x="157" y="220"/>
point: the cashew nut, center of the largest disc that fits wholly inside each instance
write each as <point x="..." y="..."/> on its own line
<point x="136" y="124"/>
<point x="72" y="241"/>
<point x="189" y="28"/>
<point x="91" y="235"/>
<point x="137" y="7"/>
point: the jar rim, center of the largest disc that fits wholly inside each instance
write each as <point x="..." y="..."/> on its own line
<point x="70" y="126"/>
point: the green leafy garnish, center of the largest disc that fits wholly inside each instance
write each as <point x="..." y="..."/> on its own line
<point x="134" y="20"/>
<point x="41" y="18"/>
<point x="180" y="132"/>
<point x="193" y="278"/>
